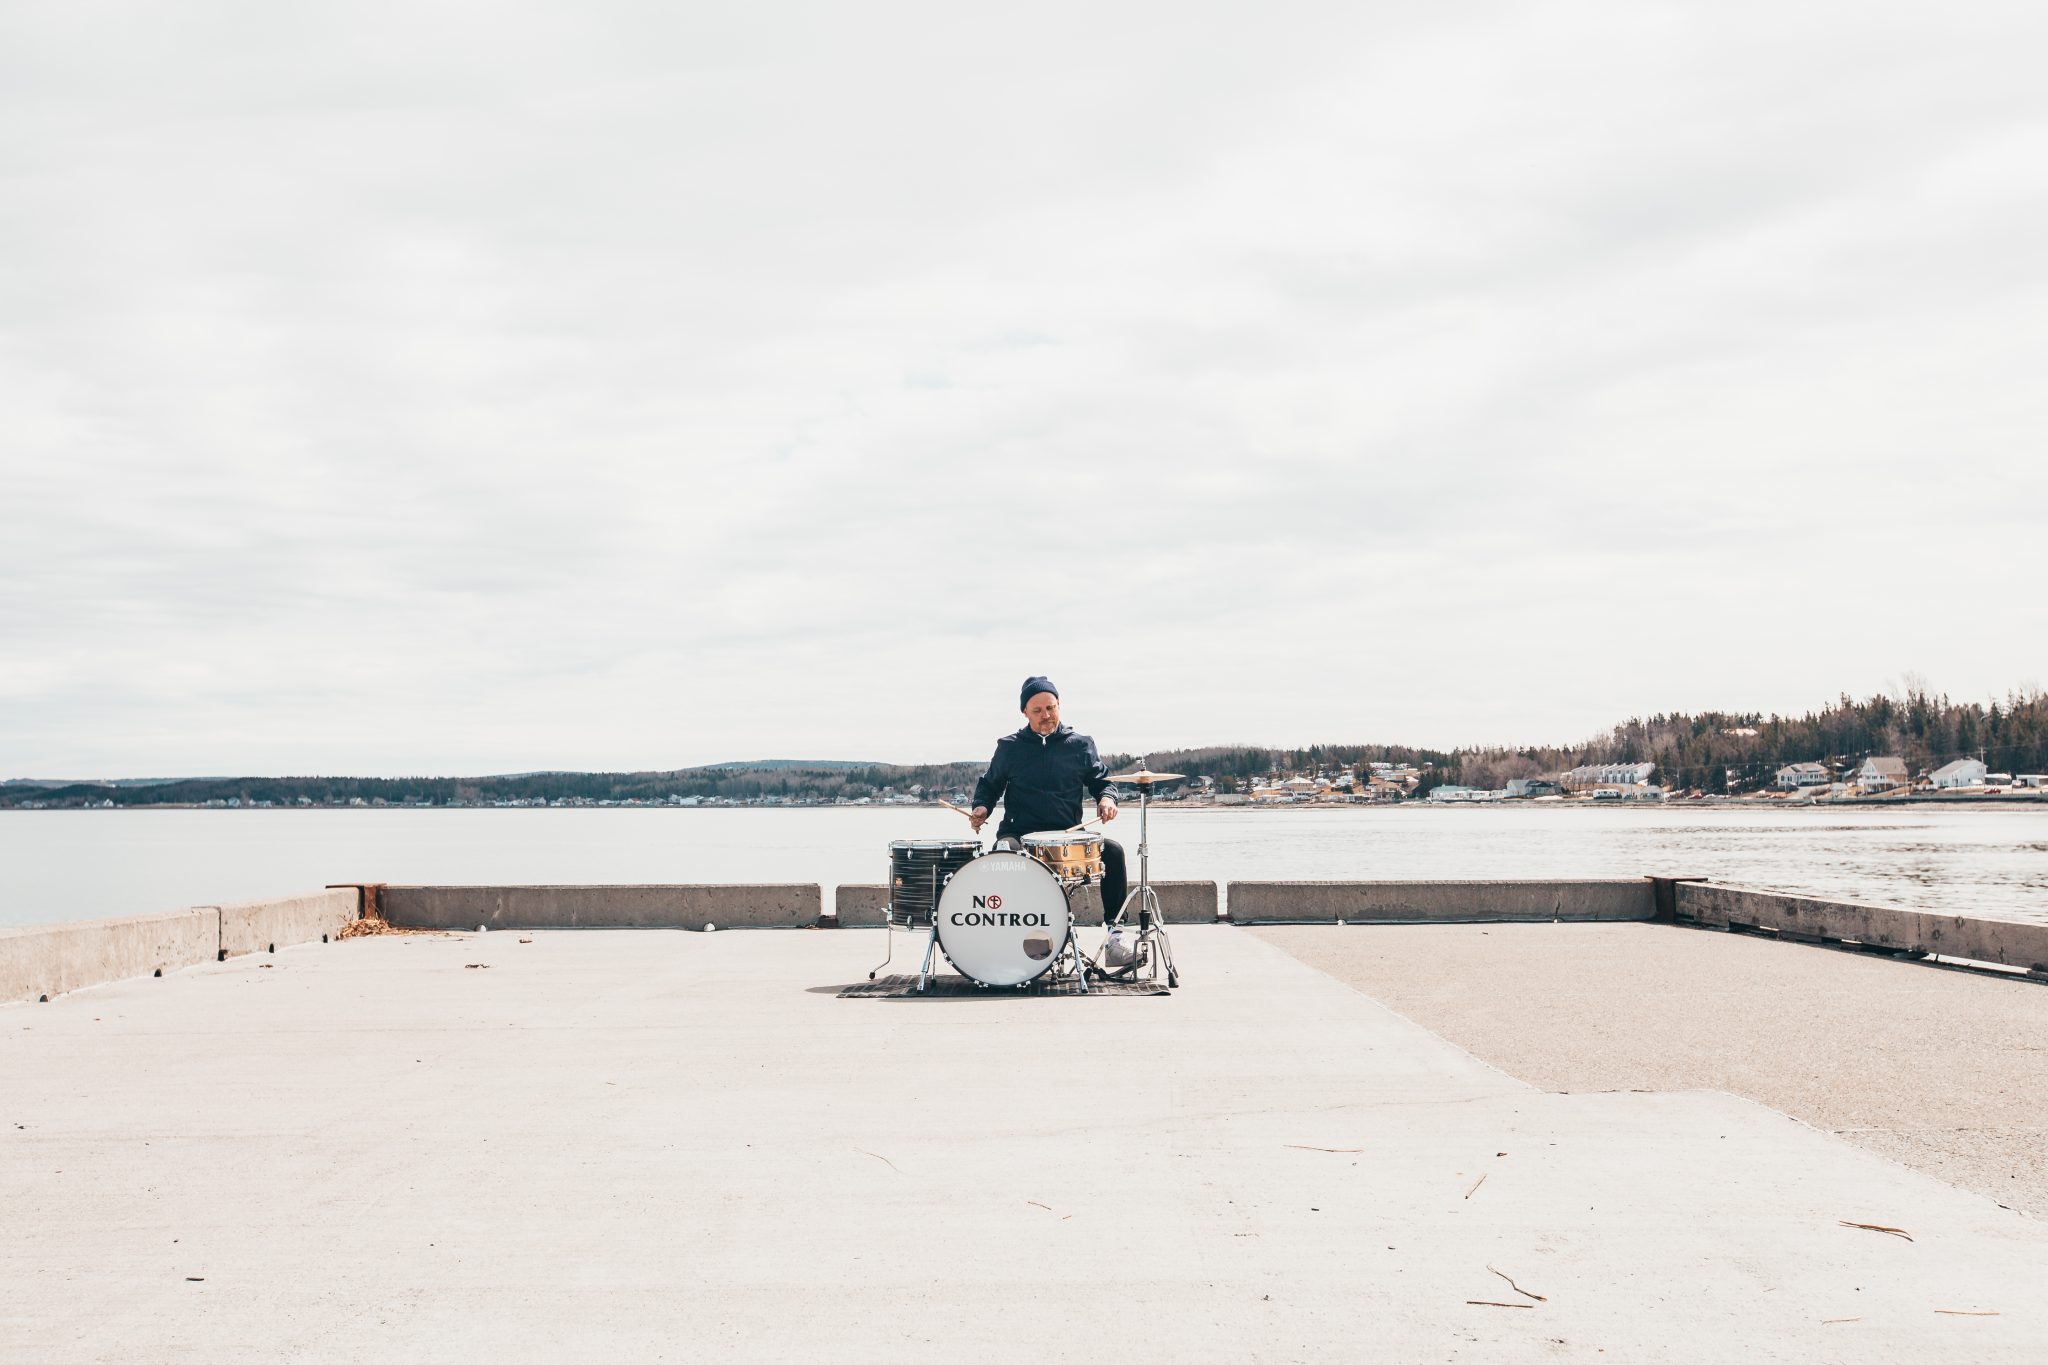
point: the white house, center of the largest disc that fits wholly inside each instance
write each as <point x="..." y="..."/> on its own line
<point x="1795" y="776"/>
<point x="1608" y="775"/>
<point x="1881" y="774"/>
<point x="1964" y="772"/>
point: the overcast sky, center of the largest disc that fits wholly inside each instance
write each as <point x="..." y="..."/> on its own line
<point x="435" y="388"/>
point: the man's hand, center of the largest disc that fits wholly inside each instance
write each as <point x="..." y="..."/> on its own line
<point x="1105" y="809"/>
<point x="977" y="817"/>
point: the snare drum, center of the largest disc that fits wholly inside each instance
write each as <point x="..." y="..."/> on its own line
<point x="1003" y="920"/>
<point x="1073" y="856"/>
<point x="919" y="870"/>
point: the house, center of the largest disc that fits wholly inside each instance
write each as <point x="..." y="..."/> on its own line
<point x="1796" y="776"/>
<point x="2033" y="781"/>
<point x="1881" y="774"/>
<point x="1616" y="775"/>
<point x="1528" y="788"/>
<point x="1964" y="772"/>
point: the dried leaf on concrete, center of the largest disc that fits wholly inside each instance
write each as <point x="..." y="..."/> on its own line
<point x="1877" y="1227"/>
<point x="371" y="926"/>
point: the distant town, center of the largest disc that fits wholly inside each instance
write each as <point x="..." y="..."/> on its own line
<point x="1910" y="747"/>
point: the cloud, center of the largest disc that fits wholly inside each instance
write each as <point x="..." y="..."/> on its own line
<point x="452" y="388"/>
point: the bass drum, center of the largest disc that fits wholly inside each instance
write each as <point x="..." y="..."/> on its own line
<point x="1003" y="920"/>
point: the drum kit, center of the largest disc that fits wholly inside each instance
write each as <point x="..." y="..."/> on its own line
<point x="1003" y="916"/>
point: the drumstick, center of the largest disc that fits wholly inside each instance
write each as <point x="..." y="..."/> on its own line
<point x="955" y="809"/>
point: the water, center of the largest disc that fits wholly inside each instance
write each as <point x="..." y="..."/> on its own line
<point x="73" y="865"/>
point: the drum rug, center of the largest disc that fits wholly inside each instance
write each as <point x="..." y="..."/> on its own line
<point x="950" y="987"/>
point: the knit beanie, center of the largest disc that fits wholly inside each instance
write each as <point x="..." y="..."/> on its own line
<point x="1032" y="687"/>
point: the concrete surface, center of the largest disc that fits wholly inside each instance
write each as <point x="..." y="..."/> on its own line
<point x="2011" y="943"/>
<point x="1181" y="902"/>
<point x="1944" y="1071"/>
<point x="1355" y="902"/>
<point x="49" y="959"/>
<point x="745" y="906"/>
<point x="647" y="1146"/>
<point x="263" y="926"/>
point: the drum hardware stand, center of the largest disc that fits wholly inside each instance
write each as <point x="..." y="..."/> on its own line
<point x="1070" y="960"/>
<point x="1152" y="948"/>
<point x="931" y="946"/>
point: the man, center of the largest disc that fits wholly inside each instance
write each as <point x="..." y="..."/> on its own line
<point x="1039" y="773"/>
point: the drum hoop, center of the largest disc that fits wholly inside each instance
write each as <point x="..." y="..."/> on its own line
<point x="939" y="930"/>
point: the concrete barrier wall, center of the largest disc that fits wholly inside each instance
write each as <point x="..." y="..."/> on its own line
<point x="263" y="926"/>
<point x="47" y="960"/>
<point x="1628" y="898"/>
<point x="2007" y="942"/>
<point x="764" y="906"/>
<point x="861" y="905"/>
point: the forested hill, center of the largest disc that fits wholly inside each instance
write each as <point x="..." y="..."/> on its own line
<point x="1702" y="752"/>
<point x="1694" y="751"/>
<point x="1690" y="751"/>
<point x="778" y="782"/>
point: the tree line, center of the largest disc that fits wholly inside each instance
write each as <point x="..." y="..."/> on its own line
<point x="1732" y="752"/>
<point x="1714" y="751"/>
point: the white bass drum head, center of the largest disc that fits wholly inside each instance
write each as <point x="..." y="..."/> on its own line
<point x="1003" y="920"/>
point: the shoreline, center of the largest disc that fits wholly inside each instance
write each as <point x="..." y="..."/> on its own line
<point x="2030" y="801"/>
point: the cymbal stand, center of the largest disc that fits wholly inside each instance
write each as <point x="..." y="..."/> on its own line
<point x="1152" y="947"/>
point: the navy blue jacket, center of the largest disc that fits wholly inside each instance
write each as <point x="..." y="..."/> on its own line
<point x="1039" y="779"/>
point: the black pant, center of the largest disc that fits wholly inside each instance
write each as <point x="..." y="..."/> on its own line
<point x="1116" y="882"/>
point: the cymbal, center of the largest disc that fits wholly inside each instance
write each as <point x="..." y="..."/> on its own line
<point x="1145" y="778"/>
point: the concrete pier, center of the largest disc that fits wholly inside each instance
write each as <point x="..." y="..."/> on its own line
<point x="1943" y="1071"/>
<point x="645" y="1145"/>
